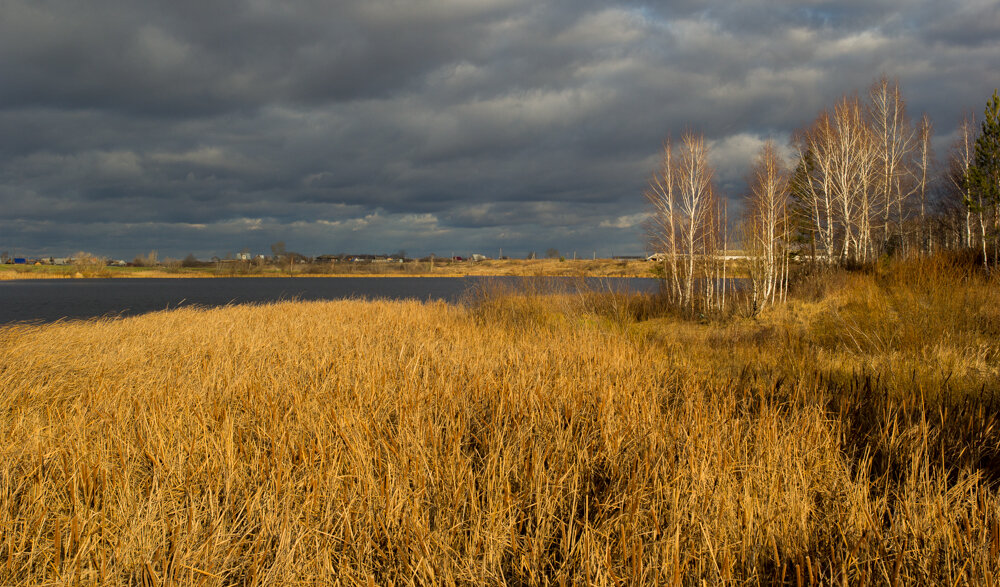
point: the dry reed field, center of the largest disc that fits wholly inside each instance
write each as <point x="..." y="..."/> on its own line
<point x="849" y="437"/>
<point x="439" y="268"/>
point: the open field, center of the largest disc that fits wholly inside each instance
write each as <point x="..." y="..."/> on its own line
<point x="8" y="272"/>
<point x="851" y="435"/>
<point x="509" y="267"/>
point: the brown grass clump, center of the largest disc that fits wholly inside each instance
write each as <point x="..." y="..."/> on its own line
<point x="517" y="439"/>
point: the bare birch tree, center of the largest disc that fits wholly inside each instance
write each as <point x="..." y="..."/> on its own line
<point x="766" y="232"/>
<point x="958" y="169"/>
<point x="867" y="195"/>
<point x="848" y="145"/>
<point x="662" y="228"/>
<point x="893" y="139"/>
<point x="684" y="226"/>
<point x="815" y="148"/>
<point x="696" y="199"/>
<point x="924" y="131"/>
<point x="860" y="168"/>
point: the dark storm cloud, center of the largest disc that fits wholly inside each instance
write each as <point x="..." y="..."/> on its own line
<point x="430" y="125"/>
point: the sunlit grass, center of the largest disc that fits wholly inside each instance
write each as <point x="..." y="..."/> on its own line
<point x="518" y="438"/>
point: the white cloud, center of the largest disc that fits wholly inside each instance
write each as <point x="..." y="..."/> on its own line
<point x="613" y="26"/>
<point x="627" y="221"/>
<point x="207" y="156"/>
<point x="119" y="164"/>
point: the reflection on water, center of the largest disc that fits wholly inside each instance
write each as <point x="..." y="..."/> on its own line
<point x="52" y="299"/>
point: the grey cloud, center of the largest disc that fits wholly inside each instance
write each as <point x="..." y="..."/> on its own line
<point x="431" y="124"/>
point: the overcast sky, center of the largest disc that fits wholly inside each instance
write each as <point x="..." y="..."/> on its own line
<point x="207" y="126"/>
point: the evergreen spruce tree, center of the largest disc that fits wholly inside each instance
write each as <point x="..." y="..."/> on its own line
<point x="984" y="173"/>
<point x="803" y="229"/>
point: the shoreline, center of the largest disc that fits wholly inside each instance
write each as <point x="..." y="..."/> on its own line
<point x="602" y="268"/>
<point x="30" y="277"/>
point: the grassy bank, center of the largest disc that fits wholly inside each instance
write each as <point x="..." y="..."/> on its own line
<point x="507" y="267"/>
<point x="10" y="272"/>
<point x="522" y="438"/>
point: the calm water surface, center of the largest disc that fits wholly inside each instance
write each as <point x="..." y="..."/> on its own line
<point x="53" y="299"/>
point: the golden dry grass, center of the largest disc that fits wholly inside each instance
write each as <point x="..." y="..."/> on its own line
<point x="521" y="439"/>
<point x="90" y="272"/>
<point x="12" y="274"/>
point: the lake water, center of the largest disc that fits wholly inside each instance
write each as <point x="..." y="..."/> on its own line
<point x="52" y="299"/>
